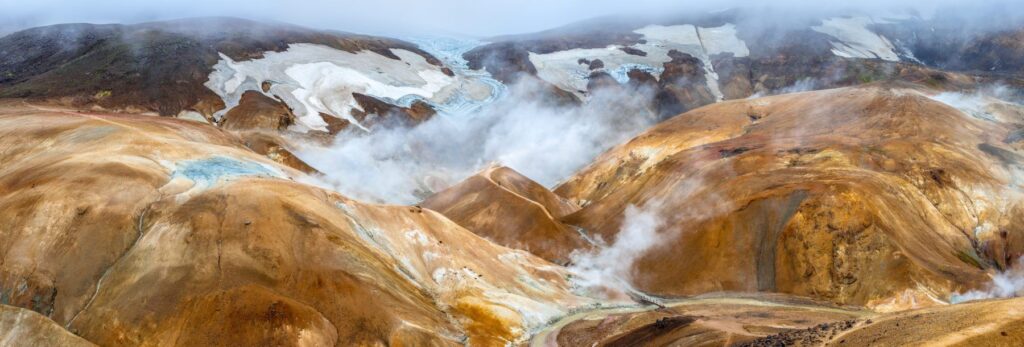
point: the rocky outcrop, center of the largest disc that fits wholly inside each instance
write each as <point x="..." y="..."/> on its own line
<point x="682" y="86"/>
<point x="375" y="111"/>
<point x="259" y="121"/>
<point x="276" y="148"/>
<point x="256" y="111"/>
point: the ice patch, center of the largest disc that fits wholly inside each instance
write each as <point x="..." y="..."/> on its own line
<point x="855" y="40"/>
<point x="476" y="87"/>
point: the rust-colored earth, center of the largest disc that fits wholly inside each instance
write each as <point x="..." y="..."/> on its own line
<point x="862" y="196"/>
<point x="140" y="230"/>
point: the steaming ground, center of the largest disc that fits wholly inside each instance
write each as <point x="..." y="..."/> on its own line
<point x="608" y="270"/>
<point x="1007" y="284"/>
<point x="403" y="165"/>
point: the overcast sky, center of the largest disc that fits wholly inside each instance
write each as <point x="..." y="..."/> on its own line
<point x="467" y="17"/>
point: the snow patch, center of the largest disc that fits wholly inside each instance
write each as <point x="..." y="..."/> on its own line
<point x="723" y="39"/>
<point x="562" y="68"/>
<point x="314" y="79"/>
<point x="677" y="34"/>
<point x="855" y="40"/>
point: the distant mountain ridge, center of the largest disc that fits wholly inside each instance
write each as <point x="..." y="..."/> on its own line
<point x="152" y="67"/>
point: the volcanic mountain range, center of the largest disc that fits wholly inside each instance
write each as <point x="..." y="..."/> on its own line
<point x="821" y="184"/>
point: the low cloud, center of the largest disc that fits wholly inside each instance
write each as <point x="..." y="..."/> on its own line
<point x="464" y="17"/>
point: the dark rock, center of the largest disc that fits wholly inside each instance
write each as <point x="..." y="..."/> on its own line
<point x="377" y="111"/>
<point x="633" y="51"/>
<point x="258" y="111"/>
<point x="334" y="124"/>
<point x="729" y="152"/>
<point x="271" y="145"/>
<point x="601" y="80"/>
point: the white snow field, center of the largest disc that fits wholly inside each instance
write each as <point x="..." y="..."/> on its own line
<point x="563" y="69"/>
<point x="853" y="39"/>
<point x="314" y="79"/>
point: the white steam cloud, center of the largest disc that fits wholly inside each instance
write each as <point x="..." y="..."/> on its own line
<point x="801" y="85"/>
<point x="1006" y="284"/>
<point x="402" y="165"/>
<point x="979" y="103"/>
<point x="608" y="271"/>
<point x="610" y="268"/>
